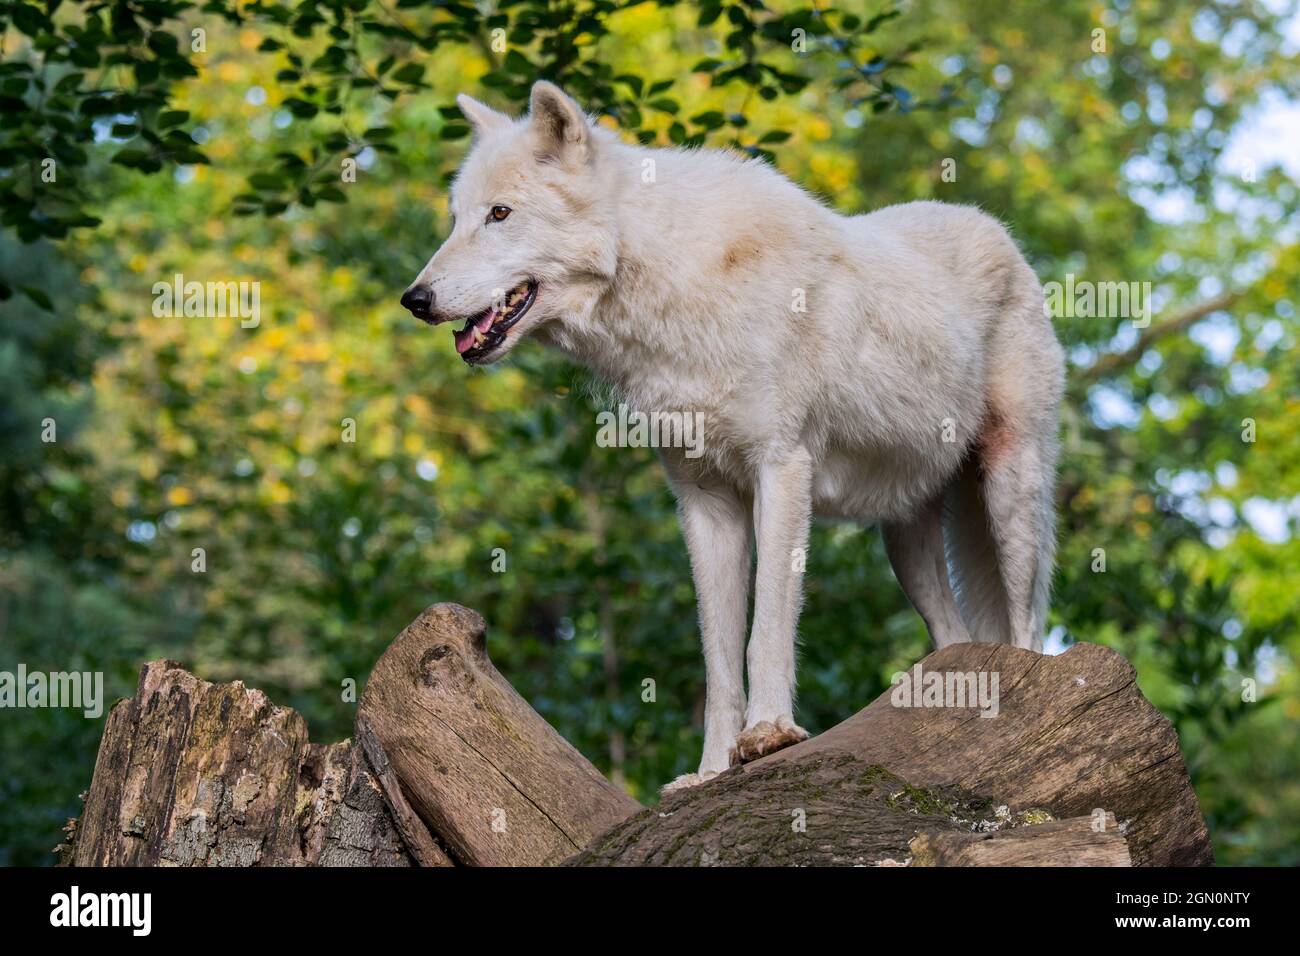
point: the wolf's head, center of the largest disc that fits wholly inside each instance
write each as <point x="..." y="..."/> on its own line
<point x="532" y="240"/>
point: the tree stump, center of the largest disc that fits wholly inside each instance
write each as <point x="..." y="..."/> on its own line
<point x="197" y="774"/>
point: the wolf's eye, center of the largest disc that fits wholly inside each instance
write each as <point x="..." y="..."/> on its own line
<point x="498" y="213"/>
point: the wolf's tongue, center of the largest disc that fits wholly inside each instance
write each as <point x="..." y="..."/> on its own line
<point x="466" y="336"/>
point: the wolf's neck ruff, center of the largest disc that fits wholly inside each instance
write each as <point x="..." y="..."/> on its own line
<point x="702" y="287"/>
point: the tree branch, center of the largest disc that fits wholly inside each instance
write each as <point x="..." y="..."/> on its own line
<point x="1114" y="361"/>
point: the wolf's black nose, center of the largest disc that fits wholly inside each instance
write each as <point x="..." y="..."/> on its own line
<point x="418" y="300"/>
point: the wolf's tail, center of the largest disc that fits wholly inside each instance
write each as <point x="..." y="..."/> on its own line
<point x="983" y="521"/>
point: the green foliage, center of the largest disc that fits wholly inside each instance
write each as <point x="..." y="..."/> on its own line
<point x="95" y="71"/>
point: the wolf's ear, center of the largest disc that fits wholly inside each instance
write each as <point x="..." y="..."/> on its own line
<point x="484" y="118"/>
<point x="560" y="129"/>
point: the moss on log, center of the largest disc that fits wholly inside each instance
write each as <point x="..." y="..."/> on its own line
<point x="1072" y="736"/>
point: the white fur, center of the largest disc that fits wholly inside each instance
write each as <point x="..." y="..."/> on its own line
<point x="918" y="389"/>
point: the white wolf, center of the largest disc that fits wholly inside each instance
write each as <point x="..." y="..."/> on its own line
<point x="894" y="367"/>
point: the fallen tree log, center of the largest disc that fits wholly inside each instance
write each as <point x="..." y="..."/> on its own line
<point x="1081" y="841"/>
<point x="1073" y="736"/>
<point x="489" y="775"/>
<point x="449" y="765"/>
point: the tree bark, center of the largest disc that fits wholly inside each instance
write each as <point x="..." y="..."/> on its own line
<point x="449" y="765"/>
<point x="1072" y="735"/>
<point x="197" y="774"/>
<point x="1081" y="841"/>
<point x="493" y="779"/>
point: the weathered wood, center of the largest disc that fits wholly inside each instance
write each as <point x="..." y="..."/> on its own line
<point x="1080" y="841"/>
<point x="831" y="810"/>
<point x="490" y="777"/>
<point x="191" y="773"/>
<point x="1072" y="734"/>
<point x="450" y="765"/>
<point x="421" y="843"/>
<point x="361" y="830"/>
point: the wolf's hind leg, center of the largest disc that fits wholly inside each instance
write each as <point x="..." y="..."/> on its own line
<point x="916" y="551"/>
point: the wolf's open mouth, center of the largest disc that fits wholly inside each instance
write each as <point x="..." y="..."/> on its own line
<point x="486" y="330"/>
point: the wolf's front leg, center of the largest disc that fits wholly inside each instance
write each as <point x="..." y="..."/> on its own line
<point x="782" y="512"/>
<point x="716" y="526"/>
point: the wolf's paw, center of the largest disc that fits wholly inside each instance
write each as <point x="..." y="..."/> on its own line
<point x="687" y="780"/>
<point x="766" y="737"/>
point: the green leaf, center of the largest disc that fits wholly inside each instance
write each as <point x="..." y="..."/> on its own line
<point x="37" y="296"/>
<point x="69" y="83"/>
<point x="709" y="120"/>
<point x="881" y="18"/>
<point x="519" y="63"/>
<point x="301" y="108"/>
<point x="132" y="157"/>
<point x="635" y="82"/>
<point x="30" y="20"/>
<point x="409" y="73"/>
<point x="146" y="71"/>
